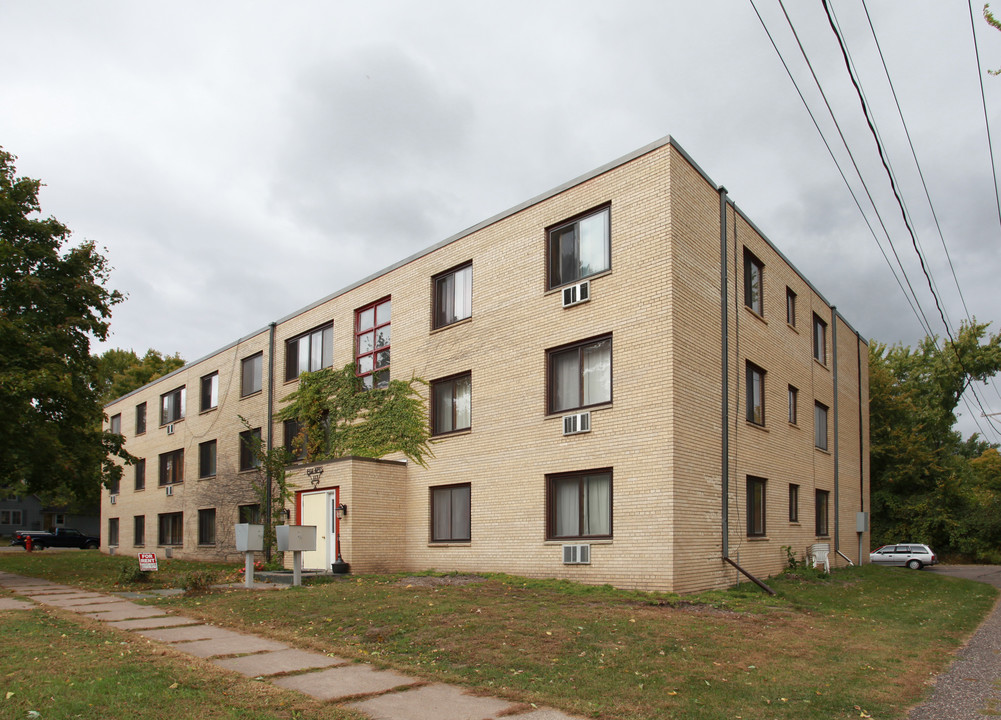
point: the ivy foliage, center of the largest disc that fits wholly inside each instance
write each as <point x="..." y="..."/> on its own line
<point x="338" y="417"/>
<point x="269" y="483"/>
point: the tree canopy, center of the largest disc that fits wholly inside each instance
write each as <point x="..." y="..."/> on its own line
<point x="929" y="484"/>
<point x="120" y="372"/>
<point x="53" y="300"/>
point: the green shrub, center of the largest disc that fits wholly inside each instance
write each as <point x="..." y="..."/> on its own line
<point x="197" y="582"/>
<point x="130" y="574"/>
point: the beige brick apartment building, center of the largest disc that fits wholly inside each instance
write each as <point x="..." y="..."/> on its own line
<point x="575" y="350"/>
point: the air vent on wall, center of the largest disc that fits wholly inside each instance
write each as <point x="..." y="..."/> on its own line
<point x="577" y="294"/>
<point x="170" y="429"/>
<point x="577" y="423"/>
<point x="576" y="554"/>
<point x="170" y="490"/>
<point x="114" y="499"/>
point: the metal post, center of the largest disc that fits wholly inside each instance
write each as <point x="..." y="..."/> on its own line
<point x="248" y="569"/>
<point x="297" y="567"/>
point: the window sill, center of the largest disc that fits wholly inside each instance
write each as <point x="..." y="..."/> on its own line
<point x="792" y="327"/>
<point x="142" y="489"/>
<point x="559" y="288"/>
<point x="754" y="313"/>
<point x="454" y="433"/>
<point x="141" y="434"/>
<point x="758" y="538"/>
<point x="586" y="408"/>
<point x="206" y="411"/>
<point x="464" y="321"/>
<point x="173" y="484"/>
<point x="823" y="365"/>
<point x="449" y="543"/>
<point x="244" y="471"/>
<point x="171" y="422"/>
<point x="755" y="425"/>
<point x="795" y="523"/>
<point x="206" y="545"/>
<point x="822" y="450"/>
<point x="794" y="425"/>
<point x="208" y="477"/>
<point x="578" y="541"/>
<point x="252" y="395"/>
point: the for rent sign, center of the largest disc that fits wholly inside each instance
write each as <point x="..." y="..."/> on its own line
<point x="147" y="561"/>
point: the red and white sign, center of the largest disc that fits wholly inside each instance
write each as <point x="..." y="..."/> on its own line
<point x="147" y="561"/>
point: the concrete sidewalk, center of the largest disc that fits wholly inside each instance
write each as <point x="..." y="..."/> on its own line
<point x="379" y="694"/>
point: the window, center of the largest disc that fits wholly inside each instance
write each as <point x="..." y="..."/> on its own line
<point x="140" y="477"/>
<point x="790" y="307"/>
<point x="579" y="248"/>
<point x="172" y="406"/>
<point x="580" y="375"/>
<point x="10" y="517"/>
<point x="453" y="296"/>
<point x="372" y="341"/>
<point x="819" y="340"/>
<point x="250" y="441"/>
<point x="294" y="445"/>
<point x="116" y="424"/>
<point x="579" y="505"/>
<point x="754" y="272"/>
<point x="172" y="467"/>
<point x="450" y="404"/>
<point x="755" y="506"/>
<point x="793" y="503"/>
<point x="250" y="374"/>
<point x="141" y="419"/>
<point x="249" y="514"/>
<point x="210" y="391"/>
<point x="171" y="529"/>
<point x="821" y="513"/>
<point x="115" y="485"/>
<point x="206" y="459"/>
<point x="793" y="404"/>
<point x="820" y="426"/>
<point x="206" y="527"/>
<point x="112" y="531"/>
<point x="139" y="530"/>
<point x="450" y="510"/>
<point x="755" y="394"/>
<point x="309" y="352"/>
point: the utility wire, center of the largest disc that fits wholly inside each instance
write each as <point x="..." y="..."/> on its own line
<point x="983" y="100"/>
<point x="896" y="194"/>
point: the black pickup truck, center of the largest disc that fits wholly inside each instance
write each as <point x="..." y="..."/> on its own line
<point x="57" y="537"/>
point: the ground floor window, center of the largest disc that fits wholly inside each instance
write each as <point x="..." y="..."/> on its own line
<point x="793" y="503"/>
<point x="206" y="526"/>
<point x="822" y="529"/>
<point x="112" y="531"/>
<point x="171" y="530"/>
<point x="450" y="511"/>
<point x="755" y="506"/>
<point x="250" y="514"/>
<point x="10" y="517"/>
<point x="579" y="504"/>
<point x="139" y="530"/>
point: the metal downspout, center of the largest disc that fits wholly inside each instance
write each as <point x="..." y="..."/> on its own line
<point x="725" y="352"/>
<point x="270" y="423"/>
<point x="861" y="441"/>
<point x="834" y="363"/>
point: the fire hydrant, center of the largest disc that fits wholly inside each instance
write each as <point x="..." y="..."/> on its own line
<point x="28" y="543"/>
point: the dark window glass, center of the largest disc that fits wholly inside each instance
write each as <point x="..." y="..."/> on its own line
<point x="451" y="404"/>
<point x="581" y="375"/>
<point x="206" y="459"/>
<point x="250" y="374"/>
<point x="579" y="504"/>
<point x="140" y="478"/>
<point x="453" y="296"/>
<point x="755" y="506"/>
<point x="754" y="272"/>
<point x="172" y="406"/>
<point x="755" y="394"/>
<point x="250" y="514"/>
<point x="112" y="531"/>
<point x="294" y="444"/>
<point x="140" y="418"/>
<point x="450" y="513"/>
<point x="206" y="526"/>
<point x="139" y="530"/>
<point x="793" y="503"/>
<point x="210" y="392"/>
<point x="309" y="352"/>
<point x="821" y="513"/>
<point x="790" y="307"/>
<point x="819" y="340"/>
<point x="579" y="248"/>
<point x="250" y="441"/>
<point x="820" y="426"/>
<point x="172" y="467"/>
<point x="116" y="424"/>
<point x="171" y="529"/>
<point x="793" y="402"/>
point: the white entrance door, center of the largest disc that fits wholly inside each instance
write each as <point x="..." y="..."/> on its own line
<point x="318" y="510"/>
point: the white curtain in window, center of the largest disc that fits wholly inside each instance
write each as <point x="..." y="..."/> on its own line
<point x="593" y="244"/>
<point x="327" y="356"/>
<point x="597" y="505"/>
<point x="568" y="508"/>
<point x="302" y="353"/>
<point x="460" y="513"/>
<point x="463" y="293"/>
<point x="820" y="426"/>
<point x="443" y="407"/>
<point x="596" y="368"/>
<point x="566" y="381"/>
<point x="462" y="403"/>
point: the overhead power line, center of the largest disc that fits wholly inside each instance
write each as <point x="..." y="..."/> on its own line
<point x="983" y="100"/>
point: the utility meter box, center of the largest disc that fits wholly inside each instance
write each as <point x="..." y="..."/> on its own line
<point x="861" y="522"/>
<point x="296" y="538"/>
<point x="249" y="538"/>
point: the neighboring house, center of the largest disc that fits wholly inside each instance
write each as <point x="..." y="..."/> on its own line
<point x="26" y="512"/>
<point x="575" y="351"/>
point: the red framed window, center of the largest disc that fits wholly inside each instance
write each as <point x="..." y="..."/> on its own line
<point x="372" y="343"/>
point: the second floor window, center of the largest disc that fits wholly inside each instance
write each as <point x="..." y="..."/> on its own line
<point x="210" y="391"/>
<point x="451" y="404"/>
<point x="453" y="296"/>
<point x="820" y="426"/>
<point x="206" y="459"/>
<point x="579" y="248"/>
<point x="250" y="441"/>
<point x="140" y="478"/>
<point x="172" y="467"/>
<point x="372" y="344"/>
<point x="116" y="424"/>
<point x="754" y="272"/>
<point x="250" y="374"/>
<point x="819" y="340"/>
<point x="580" y="375"/>
<point x="755" y="394"/>
<point x="140" y="418"/>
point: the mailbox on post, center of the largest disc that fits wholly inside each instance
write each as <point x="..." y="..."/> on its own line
<point x="249" y="539"/>
<point x="297" y="539"/>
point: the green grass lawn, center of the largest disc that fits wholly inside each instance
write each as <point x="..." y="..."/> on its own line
<point x="865" y="640"/>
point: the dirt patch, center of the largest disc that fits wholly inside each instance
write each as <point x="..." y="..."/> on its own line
<point x="439" y="580"/>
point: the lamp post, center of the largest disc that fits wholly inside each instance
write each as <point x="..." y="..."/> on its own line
<point x="339" y="567"/>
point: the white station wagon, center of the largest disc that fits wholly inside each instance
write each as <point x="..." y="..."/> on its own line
<point x="912" y="555"/>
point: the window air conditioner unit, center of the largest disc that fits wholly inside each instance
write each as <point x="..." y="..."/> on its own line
<point x="114" y="499"/>
<point x="576" y="554"/>
<point x="577" y="294"/>
<point x="170" y="490"/>
<point x="577" y="423"/>
<point x="170" y="429"/>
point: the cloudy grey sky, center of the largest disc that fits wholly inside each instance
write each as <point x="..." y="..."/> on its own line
<point x="239" y="160"/>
